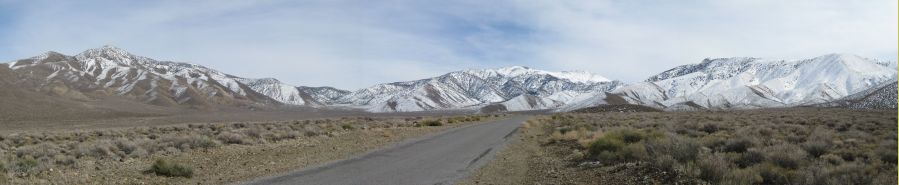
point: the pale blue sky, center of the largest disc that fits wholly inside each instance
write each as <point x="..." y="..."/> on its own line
<point x="355" y="43"/>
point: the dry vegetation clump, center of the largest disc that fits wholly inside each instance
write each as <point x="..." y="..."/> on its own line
<point x="170" y="169"/>
<point x="776" y="146"/>
<point x="431" y="123"/>
<point x="35" y="155"/>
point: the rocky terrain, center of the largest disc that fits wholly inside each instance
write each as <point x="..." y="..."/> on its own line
<point x="879" y="97"/>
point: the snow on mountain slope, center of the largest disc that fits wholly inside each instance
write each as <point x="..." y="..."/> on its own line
<point x="528" y="102"/>
<point x="725" y="83"/>
<point x="476" y="88"/>
<point x="579" y="76"/>
<point x="882" y="96"/>
<point x="734" y="83"/>
<point x="274" y="89"/>
<point x="584" y="101"/>
<point x="641" y="93"/>
<point x="293" y="95"/>
<point x="109" y="71"/>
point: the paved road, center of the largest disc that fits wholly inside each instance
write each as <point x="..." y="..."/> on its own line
<point x="438" y="159"/>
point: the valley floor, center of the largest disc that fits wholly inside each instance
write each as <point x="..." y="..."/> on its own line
<point x="182" y="117"/>
<point x="770" y="146"/>
<point x="212" y="153"/>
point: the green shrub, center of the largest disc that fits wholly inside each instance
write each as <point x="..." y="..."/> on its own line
<point x="738" y="145"/>
<point x="772" y="174"/>
<point x="254" y="132"/>
<point x="785" y="160"/>
<point x="816" y="148"/>
<point x="189" y="142"/>
<point x="849" y="173"/>
<point x="665" y="163"/>
<point x="125" y="146"/>
<point x="37" y="151"/>
<point x="716" y="143"/>
<point x="681" y="148"/>
<point x="563" y="130"/>
<point x="431" y="123"/>
<point x="887" y="155"/>
<point x="232" y="138"/>
<point x="632" y="152"/>
<point x="710" y="128"/>
<point x="749" y="158"/>
<point x="628" y="135"/>
<point x="619" y="145"/>
<point x="604" y="148"/>
<point x="347" y="127"/>
<point x="713" y="168"/>
<point x="25" y="165"/>
<point x="832" y="159"/>
<point x="168" y="169"/>
<point x="2" y="165"/>
<point x="786" y="156"/>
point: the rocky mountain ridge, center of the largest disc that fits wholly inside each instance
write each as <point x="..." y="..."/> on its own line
<point x="713" y="84"/>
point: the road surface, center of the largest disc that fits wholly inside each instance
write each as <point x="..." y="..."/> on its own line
<point x="437" y="159"/>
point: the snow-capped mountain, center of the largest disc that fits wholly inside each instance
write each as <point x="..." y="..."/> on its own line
<point x="294" y="95"/>
<point x="515" y="88"/>
<point x="740" y="83"/>
<point x="110" y="71"/>
<point x="724" y="83"/>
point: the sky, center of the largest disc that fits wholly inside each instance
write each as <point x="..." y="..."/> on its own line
<point x="353" y="44"/>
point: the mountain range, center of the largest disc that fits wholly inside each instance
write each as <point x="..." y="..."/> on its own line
<point x="714" y="84"/>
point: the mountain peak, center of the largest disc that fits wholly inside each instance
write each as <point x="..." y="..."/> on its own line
<point x="514" y="68"/>
<point x="110" y="48"/>
<point x="52" y="53"/>
<point x="841" y="56"/>
<point x="573" y="76"/>
<point x="48" y="54"/>
<point x="580" y="76"/>
<point x="107" y="51"/>
<point x="268" y="80"/>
